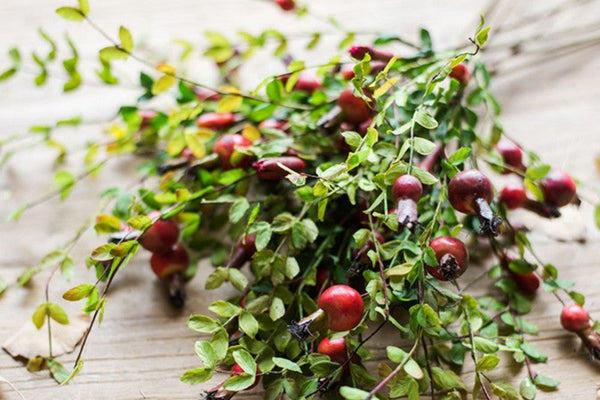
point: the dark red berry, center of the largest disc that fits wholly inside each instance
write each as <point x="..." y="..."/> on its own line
<point x="274" y="124"/>
<point x="165" y="264"/>
<point x="558" y="188"/>
<point x="513" y="195"/>
<point x="268" y="168"/>
<point x="307" y="84"/>
<point x="512" y="155"/>
<point x="471" y="192"/>
<point x="528" y="283"/>
<point x="407" y="190"/>
<point x="574" y="318"/>
<point x="225" y="148"/>
<point x="355" y="109"/>
<point x="244" y="251"/>
<point x="161" y="236"/>
<point x="452" y="258"/>
<point x="214" y="120"/>
<point x="344" y="307"/>
<point x="461" y="73"/>
<point x="286" y="5"/>
<point x="334" y="348"/>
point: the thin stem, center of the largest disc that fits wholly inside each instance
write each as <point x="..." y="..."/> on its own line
<point x="473" y="354"/>
<point x="429" y="371"/>
<point x="398" y="368"/>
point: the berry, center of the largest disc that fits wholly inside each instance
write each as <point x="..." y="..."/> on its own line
<point x="166" y="264"/>
<point x="245" y="250"/>
<point x="147" y="116"/>
<point x="161" y="236"/>
<point x="355" y="109"/>
<point x="470" y="192"/>
<point x="344" y="307"/>
<point x="359" y="53"/>
<point x="204" y="94"/>
<point x="225" y="148"/>
<point x="274" y="124"/>
<point x="528" y="283"/>
<point x="574" y="318"/>
<point x="512" y="155"/>
<point x="407" y="190"/>
<point x="268" y="169"/>
<point x="452" y="258"/>
<point x="558" y="188"/>
<point x="286" y="5"/>
<point x="513" y="195"/>
<point x="214" y="120"/>
<point x="461" y="73"/>
<point x="334" y="348"/>
<point x="307" y="84"/>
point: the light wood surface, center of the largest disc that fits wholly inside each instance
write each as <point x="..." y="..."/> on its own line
<point x="143" y="346"/>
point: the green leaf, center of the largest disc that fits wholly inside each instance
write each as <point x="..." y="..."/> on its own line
<point x="597" y="215"/>
<point x="459" y="156"/>
<point x="202" y="324"/>
<point x="239" y="382"/>
<point x="274" y="90"/>
<point x="277" y="309"/>
<point x="245" y="360"/>
<point x="487" y="363"/>
<point x="197" y="375"/>
<point x="71" y="13"/>
<point x="78" y="292"/>
<point x="57" y="313"/>
<point x="545" y="382"/>
<point x="485" y="345"/>
<point x="425" y="119"/>
<point x="447" y="379"/>
<point x="423" y="146"/>
<point x="84" y="7"/>
<point x="126" y="39"/>
<point x="350" y="393"/>
<point x="286" y="364"/>
<point x="413" y="369"/>
<point x="482" y="37"/>
<point x="238" y="279"/>
<point x="533" y="352"/>
<point x="248" y="324"/>
<point x="206" y="353"/>
<point x="238" y="210"/>
<point x="58" y="371"/>
<point x="263" y="233"/>
<point x="505" y="391"/>
<point x="65" y="180"/>
<point x="224" y="309"/>
<point x="39" y="315"/>
<point x="423" y="176"/>
<point x="140" y="222"/>
<point x="110" y="53"/>
<point x="163" y="84"/>
<point x="537" y="172"/>
<point x="527" y="389"/>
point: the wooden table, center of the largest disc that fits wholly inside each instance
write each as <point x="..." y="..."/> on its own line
<point x="143" y="346"/>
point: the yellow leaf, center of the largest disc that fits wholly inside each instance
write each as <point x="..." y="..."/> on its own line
<point x="385" y="87"/>
<point x="176" y="144"/>
<point x="195" y="145"/>
<point x="116" y="132"/>
<point x="205" y="134"/>
<point x="230" y="102"/>
<point x="163" y="83"/>
<point x="166" y="68"/>
<point x="251" y="133"/>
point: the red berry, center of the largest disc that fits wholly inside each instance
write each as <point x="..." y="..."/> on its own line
<point x="452" y="258"/>
<point x="225" y="147"/>
<point x="307" y="84"/>
<point x="334" y="348"/>
<point x="359" y="52"/>
<point x="512" y="155"/>
<point x="206" y="94"/>
<point x="214" y="120"/>
<point x="147" y="116"/>
<point x="166" y="264"/>
<point x="574" y="318"/>
<point x="246" y="248"/>
<point x="355" y="109"/>
<point x="526" y="282"/>
<point x="274" y="124"/>
<point x="161" y="236"/>
<point x="286" y="5"/>
<point x="558" y="188"/>
<point x="407" y="187"/>
<point x="461" y="73"/>
<point x="269" y="170"/>
<point x="513" y="195"/>
<point x="468" y="186"/>
<point x="344" y="307"/>
<point x="347" y="73"/>
<point x="322" y="276"/>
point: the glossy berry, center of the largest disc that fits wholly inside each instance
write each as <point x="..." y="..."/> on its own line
<point x="355" y="109"/>
<point x="307" y="84"/>
<point x="574" y="318"/>
<point x="528" y="283"/>
<point x="334" y="348"/>
<point x="205" y="94"/>
<point x="452" y="258"/>
<point x="237" y="369"/>
<point x="214" y="120"/>
<point x="359" y="53"/>
<point x="161" y="236"/>
<point x="165" y="264"/>
<point x="286" y="5"/>
<point x="513" y="195"/>
<point x="225" y="148"/>
<point x="274" y="124"/>
<point x="344" y="307"/>
<point x="461" y="73"/>
<point x="268" y="169"/>
<point x="558" y="188"/>
<point x="512" y="155"/>
<point x="407" y="187"/>
<point x="471" y="192"/>
<point x="244" y="251"/>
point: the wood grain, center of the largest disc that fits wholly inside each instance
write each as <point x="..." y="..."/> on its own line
<point x="143" y="346"/>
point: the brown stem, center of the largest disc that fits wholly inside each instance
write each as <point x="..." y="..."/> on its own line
<point x="591" y="340"/>
<point x="541" y="209"/>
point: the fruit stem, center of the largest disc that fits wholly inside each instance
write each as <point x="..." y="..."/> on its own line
<point x="541" y="209"/>
<point x="591" y="340"/>
<point x="176" y="289"/>
<point x="240" y="256"/>
<point x="305" y="328"/>
<point x="407" y="214"/>
<point x="332" y="119"/>
<point x="489" y="221"/>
